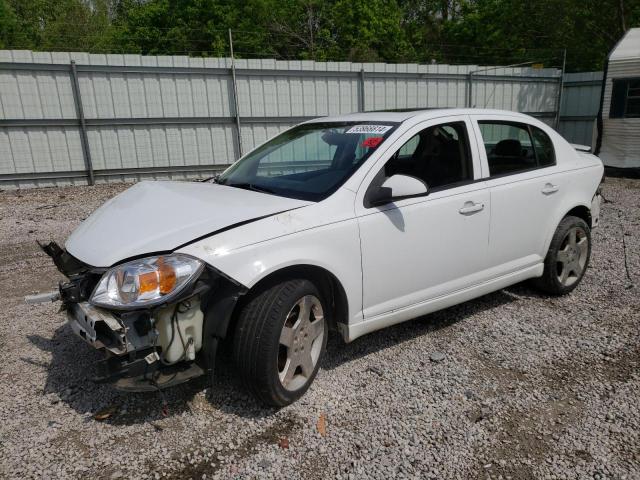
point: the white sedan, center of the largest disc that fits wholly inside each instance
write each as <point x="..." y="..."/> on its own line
<point x="351" y="223"/>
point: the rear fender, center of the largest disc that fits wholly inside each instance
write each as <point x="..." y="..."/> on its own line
<point x="556" y="221"/>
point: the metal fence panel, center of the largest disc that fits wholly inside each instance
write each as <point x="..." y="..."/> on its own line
<point x="579" y="107"/>
<point x="175" y="116"/>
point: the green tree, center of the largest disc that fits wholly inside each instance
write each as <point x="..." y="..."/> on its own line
<point x="173" y="27"/>
<point x="453" y="31"/>
<point x="370" y="30"/>
<point x="53" y="25"/>
<point x="503" y="31"/>
<point x="11" y="34"/>
<point x="287" y="28"/>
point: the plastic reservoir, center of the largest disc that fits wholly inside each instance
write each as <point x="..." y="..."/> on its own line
<point x="189" y="321"/>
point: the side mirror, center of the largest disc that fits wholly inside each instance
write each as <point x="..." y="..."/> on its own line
<point x="395" y="187"/>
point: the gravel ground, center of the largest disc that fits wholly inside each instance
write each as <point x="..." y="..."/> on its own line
<point x="511" y="385"/>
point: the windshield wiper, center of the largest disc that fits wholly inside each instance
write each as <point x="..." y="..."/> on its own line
<point x="214" y="179"/>
<point x="250" y="186"/>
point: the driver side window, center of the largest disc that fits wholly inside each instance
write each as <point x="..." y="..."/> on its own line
<point x="439" y="155"/>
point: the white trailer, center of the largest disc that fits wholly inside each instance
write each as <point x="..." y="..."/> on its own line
<point x="618" y="142"/>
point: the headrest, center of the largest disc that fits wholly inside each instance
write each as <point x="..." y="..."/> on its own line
<point x="508" y="148"/>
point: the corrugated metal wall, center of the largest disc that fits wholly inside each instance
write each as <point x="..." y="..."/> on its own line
<point x="162" y="116"/>
<point x="579" y="107"/>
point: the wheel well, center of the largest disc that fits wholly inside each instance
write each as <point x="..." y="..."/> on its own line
<point x="581" y="212"/>
<point x="329" y="285"/>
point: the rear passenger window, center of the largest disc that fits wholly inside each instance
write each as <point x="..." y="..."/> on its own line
<point x="438" y="155"/>
<point x="515" y="147"/>
<point x="509" y="147"/>
<point x="543" y="147"/>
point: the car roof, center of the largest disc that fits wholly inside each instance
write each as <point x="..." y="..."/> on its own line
<point x="399" y="116"/>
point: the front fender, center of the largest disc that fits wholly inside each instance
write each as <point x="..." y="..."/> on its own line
<point x="334" y="247"/>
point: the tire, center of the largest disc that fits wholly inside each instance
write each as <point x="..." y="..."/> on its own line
<point x="280" y="337"/>
<point x="568" y="257"/>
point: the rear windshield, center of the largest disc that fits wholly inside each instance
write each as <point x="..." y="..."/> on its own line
<point x="310" y="161"/>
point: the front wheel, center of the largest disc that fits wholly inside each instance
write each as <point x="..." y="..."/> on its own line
<point x="279" y="340"/>
<point x="567" y="258"/>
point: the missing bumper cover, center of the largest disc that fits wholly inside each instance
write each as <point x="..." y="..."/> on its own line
<point x="128" y="338"/>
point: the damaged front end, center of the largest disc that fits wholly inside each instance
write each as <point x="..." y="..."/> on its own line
<point x="154" y="344"/>
<point x="145" y="350"/>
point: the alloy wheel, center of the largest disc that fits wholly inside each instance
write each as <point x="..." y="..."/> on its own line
<point x="301" y="342"/>
<point x="572" y="256"/>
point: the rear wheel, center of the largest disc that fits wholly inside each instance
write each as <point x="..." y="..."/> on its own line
<point x="567" y="258"/>
<point x="280" y="337"/>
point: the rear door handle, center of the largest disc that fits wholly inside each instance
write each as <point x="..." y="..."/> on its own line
<point x="471" y="207"/>
<point x="550" y="188"/>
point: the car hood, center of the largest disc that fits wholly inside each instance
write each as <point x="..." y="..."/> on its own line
<point x="155" y="217"/>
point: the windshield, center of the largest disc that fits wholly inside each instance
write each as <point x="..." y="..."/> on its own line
<point x="308" y="162"/>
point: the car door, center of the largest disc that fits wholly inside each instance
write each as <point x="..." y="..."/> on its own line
<point x="525" y="188"/>
<point x="420" y="248"/>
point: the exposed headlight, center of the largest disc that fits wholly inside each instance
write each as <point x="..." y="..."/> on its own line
<point x="145" y="282"/>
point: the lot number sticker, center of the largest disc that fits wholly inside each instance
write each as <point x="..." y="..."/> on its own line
<point x="377" y="129"/>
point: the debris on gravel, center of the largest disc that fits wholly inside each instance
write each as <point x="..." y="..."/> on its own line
<point x="437" y="357"/>
<point x="532" y="386"/>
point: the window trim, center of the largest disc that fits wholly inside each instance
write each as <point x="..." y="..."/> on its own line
<point x="535" y="151"/>
<point x="627" y="97"/>
<point x="526" y="126"/>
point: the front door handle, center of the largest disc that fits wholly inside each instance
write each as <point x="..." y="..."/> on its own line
<point x="471" y="207"/>
<point x="550" y="188"/>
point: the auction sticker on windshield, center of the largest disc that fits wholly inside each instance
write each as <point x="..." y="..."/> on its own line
<point x="379" y="129"/>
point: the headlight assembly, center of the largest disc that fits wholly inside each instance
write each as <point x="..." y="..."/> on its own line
<point x="146" y="282"/>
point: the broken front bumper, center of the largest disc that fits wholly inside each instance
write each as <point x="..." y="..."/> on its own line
<point x="150" y="348"/>
<point x="129" y="341"/>
<point x="97" y="327"/>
